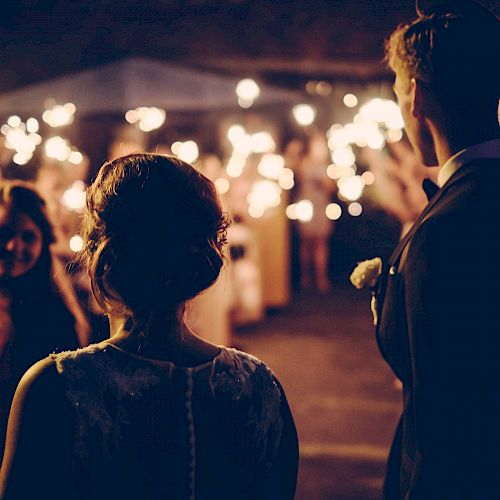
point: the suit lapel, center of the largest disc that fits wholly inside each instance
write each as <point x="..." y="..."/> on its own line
<point x="396" y="255"/>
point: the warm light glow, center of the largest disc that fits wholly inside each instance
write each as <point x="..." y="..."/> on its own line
<point x="176" y="147"/>
<point x="376" y="140"/>
<point x="188" y="151"/>
<point x="323" y="88"/>
<point x="236" y="164"/>
<point x="17" y="139"/>
<point x="350" y="100"/>
<point x="291" y="211"/>
<point x="74" y="197"/>
<point x="382" y="111"/>
<point x="337" y="172"/>
<point x="270" y="166"/>
<point x="256" y="211"/>
<point x="394" y="135"/>
<point x="338" y="138"/>
<point x="76" y="243"/>
<point x="351" y="188"/>
<point x="264" y="194"/>
<point x="286" y="179"/>
<point x="332" y="171"/>
<point x="304" y="114"/>
<point x="355" y="209"/>
<point x="59" y="115"/>
<point x="152" y="120"/>
<point x="14" y="121"/>
<point x="236" y="133"/>
<point x="304" y="210"/>
<point x="75" y="157"/>
<point x="57" y="148"/>
<point x="146" y="118"/>
<point x="245" y="103"/>
<point x="393" y="118"/>
<point x="343" y="157"/>
<point x="368" y="178"/>
<point x="262" y="142"/>
<point x="247" y="89"/>
<point x="222" y="185"/>
<point x="333" y="211"/>
<point x="373" y="111"/>
<point x="21" y="158"/>
<point x="32" y="125"/>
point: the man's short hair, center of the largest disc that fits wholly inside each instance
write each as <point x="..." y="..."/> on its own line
<point x="454" y="49"/>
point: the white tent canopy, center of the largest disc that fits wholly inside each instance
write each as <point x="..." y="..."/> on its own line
<point x="135" y="82"/>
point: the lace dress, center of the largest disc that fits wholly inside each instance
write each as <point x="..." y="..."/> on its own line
<point x="150" y="429"/>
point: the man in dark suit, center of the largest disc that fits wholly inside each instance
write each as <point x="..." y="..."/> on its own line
<point x="439" y="295"/>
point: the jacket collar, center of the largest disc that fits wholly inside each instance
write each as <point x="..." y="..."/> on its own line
<point x="456" y="177"/>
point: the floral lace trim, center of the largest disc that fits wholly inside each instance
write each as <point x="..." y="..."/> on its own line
<point x="91" y="375"/>
<point x="249" y="378"/>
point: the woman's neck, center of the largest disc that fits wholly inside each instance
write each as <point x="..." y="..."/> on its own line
<point x="167" y="338"/>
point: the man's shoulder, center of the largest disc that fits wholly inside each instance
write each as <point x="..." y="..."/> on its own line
<point x="470" y="192"/>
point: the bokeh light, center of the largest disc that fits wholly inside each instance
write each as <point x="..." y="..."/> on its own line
<point x="355" y="209"/>
<point x="333" y="211"/>
<point x="304" y="114"/>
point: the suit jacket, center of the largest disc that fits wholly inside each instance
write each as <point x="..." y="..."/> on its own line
<point x="439" y="330"/>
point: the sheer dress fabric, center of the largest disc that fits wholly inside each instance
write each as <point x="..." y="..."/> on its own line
<point x="150" y="429"/>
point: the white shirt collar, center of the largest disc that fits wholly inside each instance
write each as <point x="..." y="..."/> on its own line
<point x="485" y="150"/>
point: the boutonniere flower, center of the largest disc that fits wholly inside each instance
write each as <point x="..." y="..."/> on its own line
<point x="366" y="275"/>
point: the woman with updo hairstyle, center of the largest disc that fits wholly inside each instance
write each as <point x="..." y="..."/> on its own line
<point x="154" y="412"/>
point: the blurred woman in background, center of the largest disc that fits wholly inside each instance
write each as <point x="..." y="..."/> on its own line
<point x="39" y="313"/>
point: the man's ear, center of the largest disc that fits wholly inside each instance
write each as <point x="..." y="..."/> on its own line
<point x="416" y="98"/>
<point x="423" y="101"/>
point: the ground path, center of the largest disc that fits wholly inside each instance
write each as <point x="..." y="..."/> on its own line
<point x="342" y="394"/>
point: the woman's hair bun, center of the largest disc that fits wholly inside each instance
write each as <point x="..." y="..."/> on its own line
<point x="154" y="232"/>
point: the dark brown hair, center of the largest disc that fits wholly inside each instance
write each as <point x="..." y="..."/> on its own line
<point x="22" y="197"/>
<point x="154" y="233"/>
<point x="452" y="47"/>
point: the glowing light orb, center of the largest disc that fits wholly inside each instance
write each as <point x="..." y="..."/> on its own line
<point x="32" y="125"/>
<point x="355" y="209"/>
<point x="291" y="211"/>
<point x="304" y="114"/>
<point x="76" y="243"/>
<point x="236" y="133"/>
<point x="222" y="185"/>
<point x="75" y="157"/>
<point x="262" y="142"/>
<point x="304" y="210"/>
<point x="351" y="188"/>
<point x="368" y="178"/>
<point x="394" y="135"/>
<point x="333" y="211"/>
<point x="59" y="115"/>
<point x="247" y="89"/>
<point x="343" y="157"/>
<point x="286" y="179"/>
<point x="57" y="148"/>
<point x="350" y="100"/>
<point x="146" y="118"/>
<point x="270" y="166"/>
<point x="74" y="197"/>
<point x="188" y="151"/>
<point x="14" y="121"/>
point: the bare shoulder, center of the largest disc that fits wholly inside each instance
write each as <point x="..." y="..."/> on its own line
<point x="41" y="381"/>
